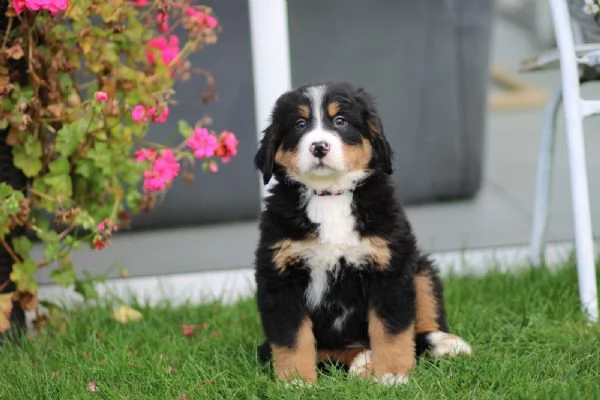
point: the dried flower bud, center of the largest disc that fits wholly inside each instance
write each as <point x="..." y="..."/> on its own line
<point x="24" y="122"/>
<point x="74" y="99"/>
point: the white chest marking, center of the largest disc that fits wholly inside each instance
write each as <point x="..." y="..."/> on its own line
<point x="336" y="238"/>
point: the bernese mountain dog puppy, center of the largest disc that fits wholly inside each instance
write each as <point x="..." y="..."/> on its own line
<point x="339" y="274"/>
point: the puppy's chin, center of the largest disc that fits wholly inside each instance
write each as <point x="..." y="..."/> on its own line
<point x="330" y="179"/>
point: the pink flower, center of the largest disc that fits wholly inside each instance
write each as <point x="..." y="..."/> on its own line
<point x="140" y="3"/>
<point x="162" y="18"/>
<point x="54" y="6"/>
<point x="101" y="226"/>
<point x="99" y="243"/>
<point x="211" y="22"/>
<point x="201" y="18"/>
<point x="213" y="167"/>
<point x="165" y="169"/>
<point x="19" y="6"/>
<point x="162" y="117"/>
<point x="145" y="154"/>
<point x="101" y="96"/>
<point x="139" y="113"/>
<point x="202" y="143"/>
<point x="168" y="49"/>
<point x="227" y="148"/>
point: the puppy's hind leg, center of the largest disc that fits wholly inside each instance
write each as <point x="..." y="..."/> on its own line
<point x="431" y="328"/>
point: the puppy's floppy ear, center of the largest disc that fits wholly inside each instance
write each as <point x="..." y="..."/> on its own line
<point x="381" y="147"/>
<point x="265" y="155"/>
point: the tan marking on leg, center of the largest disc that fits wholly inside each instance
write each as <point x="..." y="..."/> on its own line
<point x="358" y="156"/>
<point x="380" y="253"/>
<point x="426" y="305"/>
<point x="288" y="159"/>
<point x="299" y="361"/>
<point x="390" y="353"/>
<point x="343" y="356"/>
<point x="304" y="111"/>
<point x="333" y="108"/>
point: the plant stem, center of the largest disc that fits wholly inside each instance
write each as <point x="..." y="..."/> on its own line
<point x="42" y="195"/>
<point x="64" y="233"/>
<point x="4" y="285"/>
<point x="10" y="251"/>
<point x="34" y="228"/>
<point x="8" y="29"/>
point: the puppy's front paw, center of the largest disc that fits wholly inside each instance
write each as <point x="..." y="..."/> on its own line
<point x="361" y="365"/>
<point x="443" y="345"/>
<point x="392" y="379"/>
<point x="297" y="384"/>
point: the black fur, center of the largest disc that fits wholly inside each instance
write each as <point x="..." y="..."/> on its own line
<point x="390" y="292"/>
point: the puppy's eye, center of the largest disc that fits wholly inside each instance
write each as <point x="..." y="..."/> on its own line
<point x="300" y="124"/>
<point x="340" y="121"/>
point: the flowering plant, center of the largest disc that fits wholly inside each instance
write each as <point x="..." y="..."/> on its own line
<point x="81" y="81"/>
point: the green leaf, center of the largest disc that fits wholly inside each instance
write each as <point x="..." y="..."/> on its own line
<point x="22" y="246"/>
<point x="52" y="251"/>
<point x="27" y="162"/>
<point x="86" y="289"/>
<point x="58" y="179"/>
<point x="23" y="275"/>
<point x="70" y="136"/>
<point x="133" y="198"/>
<point x="10" y="200"/>
<point x="60" y="184"/>
<point x="26" y="94"/>
<point x="42" y="187"/>
<point x="185" y="128"/>
<point x="85" y="168"/>
<point x="84" y="220"/>
<point x="65" y="275"/>
<point x="60" y="166"/>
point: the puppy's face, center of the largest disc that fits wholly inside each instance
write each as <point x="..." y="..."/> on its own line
<point x="325" y="137"/>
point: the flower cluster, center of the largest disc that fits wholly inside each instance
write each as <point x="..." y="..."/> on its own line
<point x="54" y="6"/>
<point x="164" y="168"/>
<point x="142" y="113"/>
<point x="591" y="7"/>
<point x="103" y="234"/>
<point x="81" y="82"/>
<point x="201" y="19"/>
<point x="168" y="48"/>
<point x="205" y="144"/>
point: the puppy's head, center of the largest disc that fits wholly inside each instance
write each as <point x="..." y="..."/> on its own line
<point x="325" y="137"/>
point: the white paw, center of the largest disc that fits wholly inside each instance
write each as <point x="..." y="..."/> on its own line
<point x="297" y="383"/>
<point x="392" y="379"/>
<point x="361" y="365"/>
<point x="442" y="345"/>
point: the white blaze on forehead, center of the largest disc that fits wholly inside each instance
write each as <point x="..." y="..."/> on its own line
<point x="316" y="95"/>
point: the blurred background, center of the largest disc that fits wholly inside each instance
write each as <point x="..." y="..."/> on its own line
<point x="463" y="122"/>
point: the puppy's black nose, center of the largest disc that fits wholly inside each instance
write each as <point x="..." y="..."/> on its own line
<point x="319" y="149"/>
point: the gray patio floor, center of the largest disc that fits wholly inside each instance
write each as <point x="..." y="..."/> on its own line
<point x="499" y="216"/>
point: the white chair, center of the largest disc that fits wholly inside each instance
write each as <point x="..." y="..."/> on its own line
<point x="570" y="58"/>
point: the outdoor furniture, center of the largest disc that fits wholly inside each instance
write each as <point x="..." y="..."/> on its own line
<point x="578" y="63"/>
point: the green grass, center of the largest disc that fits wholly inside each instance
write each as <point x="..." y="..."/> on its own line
<point x="528" y="337"/>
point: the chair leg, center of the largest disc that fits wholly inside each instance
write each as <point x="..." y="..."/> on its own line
<point x="544" y="178"/>
<point x="586" y="270"/>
